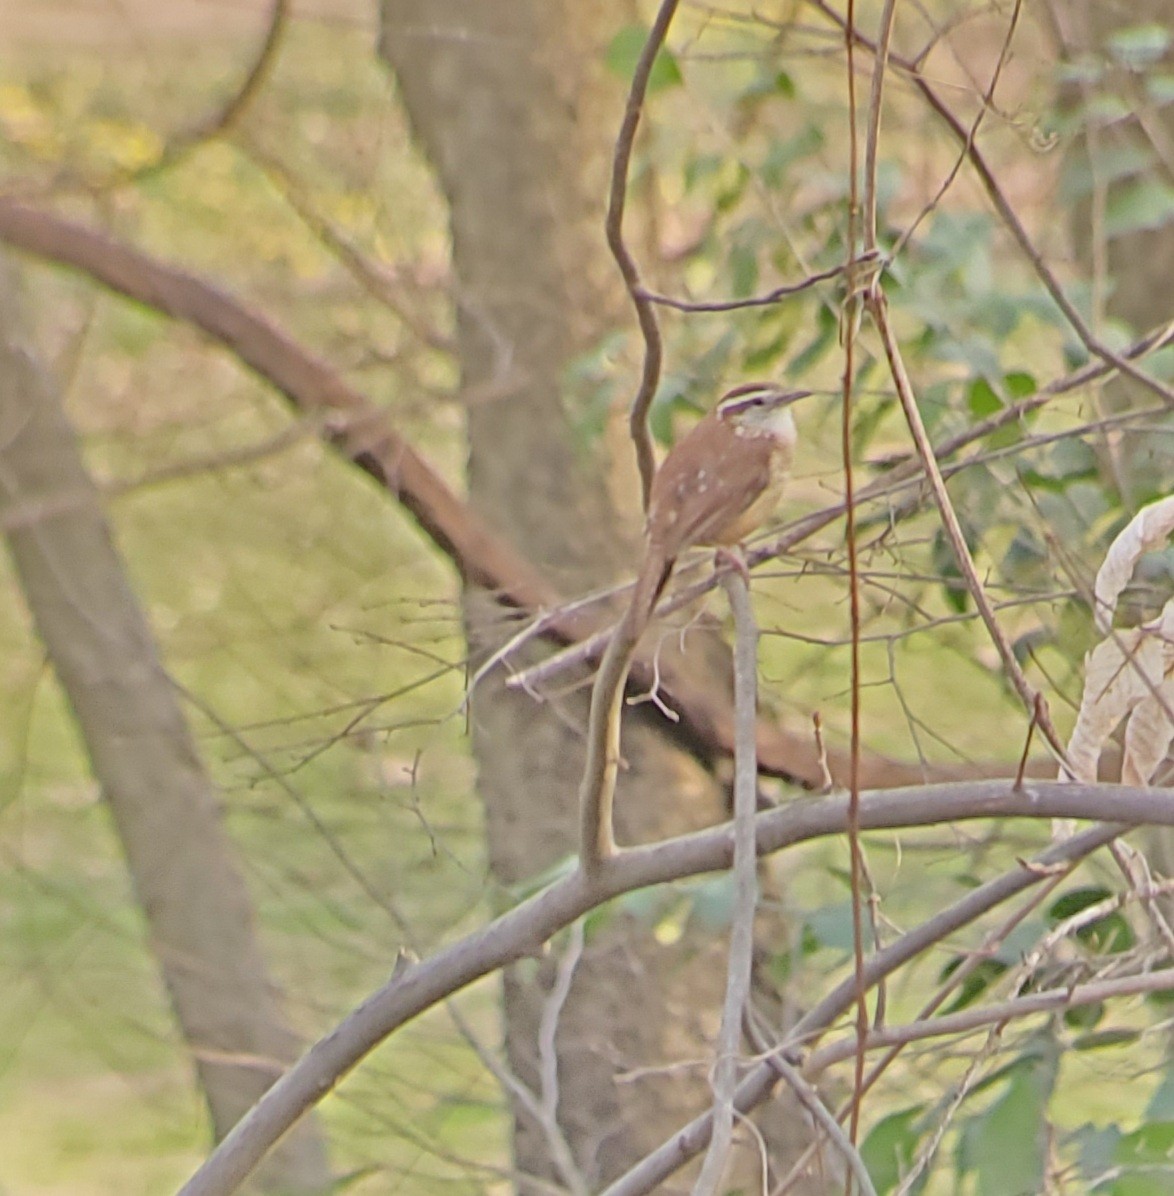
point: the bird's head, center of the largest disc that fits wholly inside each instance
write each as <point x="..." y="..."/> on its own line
<point x="759" y="408"/>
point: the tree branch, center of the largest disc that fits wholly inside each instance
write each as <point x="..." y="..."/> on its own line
<point x="614" y="227"/>
<point x="739" y="968"/>
<point x="523" y="930"/>
<point x="758" y="1085"/>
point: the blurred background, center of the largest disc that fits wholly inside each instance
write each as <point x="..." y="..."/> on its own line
<point x="415" y="195"/>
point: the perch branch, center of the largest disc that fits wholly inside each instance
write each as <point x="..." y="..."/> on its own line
<point x="739" y="967"/>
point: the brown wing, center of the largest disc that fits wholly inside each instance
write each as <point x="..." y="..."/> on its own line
<point x="705" y="483"/>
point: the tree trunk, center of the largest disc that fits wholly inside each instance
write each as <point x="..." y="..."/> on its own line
<point x="143" y="756"/>
<point x="510" y="104"/>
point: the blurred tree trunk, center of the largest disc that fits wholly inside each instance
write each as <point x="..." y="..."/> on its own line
<point x="511" y="104"/>
<point x="143" y="756"/>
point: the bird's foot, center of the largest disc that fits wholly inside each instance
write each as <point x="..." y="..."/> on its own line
<point x="733" y="560"/>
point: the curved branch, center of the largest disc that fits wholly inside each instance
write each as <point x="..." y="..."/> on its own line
<point x="523" y="931"/>
<point x="614" y="226"/>
<point x="360" y="431"/>
<point x="348" y="420"/>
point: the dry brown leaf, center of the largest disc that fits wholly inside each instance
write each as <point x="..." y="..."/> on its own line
<point x="1128" y="675"/>
<point x="1147" y="530"/>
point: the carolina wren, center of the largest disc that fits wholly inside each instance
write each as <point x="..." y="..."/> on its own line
<point x="720" y="483"/>
<point x="716" y="486"/>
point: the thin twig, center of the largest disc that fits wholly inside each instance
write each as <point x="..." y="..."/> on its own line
<point x="849" y="325"/>
<point x="878" y="306"/>
<point x="552" y="1011"/>
<point x="645" y="311"/>
<point x="556" y="1142"/>
<point x="875" y="105"/>
<point x="973" y="960"/>
<point x="687" y="1142"/>
<point x="1036" y="711"/>
<point x="725" y="305"/>
<point x="967" y="1020"/>
<point x="971" y="133"/>
<point x="738" y="973"/>
<point x="1008" y="215"/>
<point x="810" y="1099"/>
<point x="223" y="118"/>
<point x="904" y="476"/>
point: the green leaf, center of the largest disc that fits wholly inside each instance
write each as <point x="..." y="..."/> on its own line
<point x="1161" y="1106"/>
<point x="1108" y="165"/>
<point x="768" y="83"/>
<point x="1148" y="204"/>
<point x="1025" y="556"/>
<point x="1103" y="1038"/>
<point x="890" y="1147"/>
<point x="1149" y="1150"/>
<point x="624" y="52"/>
<point x="975" y="984"/>
<point x="1139" y="45"/>
<point x="729" y="194"/>
<point x="713" y="901"/>
<point x="1096" y="1148"/>
<point x="945" y="564"/>
<point x="701" y="167"/>
<point x="671" y="397"/>
<point x="1009" y="1145"/>
<point x="865" y="423"/>
<point x="1108" y="934"/>
<point x="982" y="399"/>
<point x="1076" y="900"/>
<point x="934" y="404"/>
<point x="1018" y="384"/>
<point x="781" y="155"/>
<point x="1072" y="459"/>
<point x="1086" y="1017"/>
<point x="763" y="357"/>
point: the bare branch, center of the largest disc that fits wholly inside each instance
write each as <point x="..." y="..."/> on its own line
<point x="1032" y="699"/>
<point x="757" y="1086"/>
<point x="645" y="312"/>
<point x="738" y="969"/>
<point x="524" y="929"/>
<point x="1067" y="997"/>
<point x="723" y="305"/>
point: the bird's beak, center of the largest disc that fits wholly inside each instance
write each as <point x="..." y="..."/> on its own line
<point x="787" y="397"/>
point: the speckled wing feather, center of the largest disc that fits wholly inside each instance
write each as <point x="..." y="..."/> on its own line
<point x="718" y="476"/>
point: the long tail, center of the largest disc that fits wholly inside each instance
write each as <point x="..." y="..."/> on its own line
<point x="598" y="787"/>
<point x="650" y="584"/>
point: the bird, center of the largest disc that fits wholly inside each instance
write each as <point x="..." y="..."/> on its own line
<point x="720" y="483"/>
